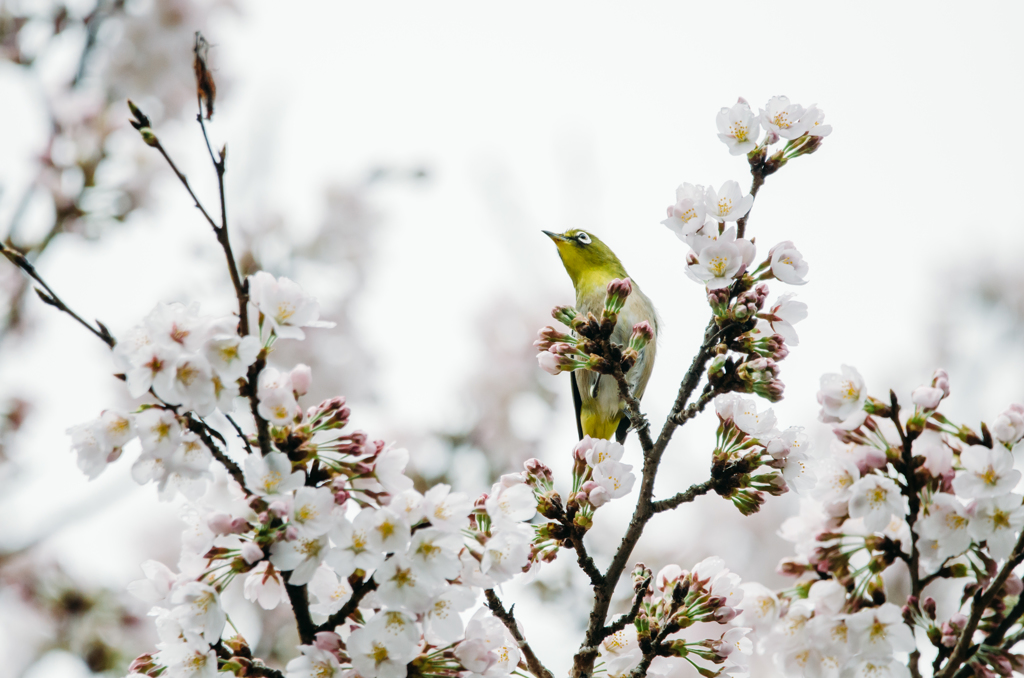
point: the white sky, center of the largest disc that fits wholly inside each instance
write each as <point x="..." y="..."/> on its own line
<point x="571" y="114"/>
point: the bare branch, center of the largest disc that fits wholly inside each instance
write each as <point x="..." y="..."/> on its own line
<point x="536" y="667"/>
<point x="50" y="297"/>
<point x="629" y="617"/>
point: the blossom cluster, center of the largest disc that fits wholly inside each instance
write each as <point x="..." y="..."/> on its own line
<point x="382" y="578"/>
<point x="903" y="502"/>
<point x="675" y="600"/>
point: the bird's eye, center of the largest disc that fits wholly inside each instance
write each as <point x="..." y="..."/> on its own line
<point x="583" y="239"/>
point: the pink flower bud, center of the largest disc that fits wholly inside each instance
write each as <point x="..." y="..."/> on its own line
<point x="599" y="496"/>
<point x="291" y="533"/>
<point x="1013" y="586"/>
<point x="219" y="523"/>
<point x="251" y="553"/>
<point x="927" y="397"/>
<point x="941" y="380"/>
<point x="278" y="508"/>
<point x="341" y="496"/>
<point x="579" y="452"/>
<point x="617" y="292"/>
<point x="301" y="377"/>
<point x="327" y="641"/>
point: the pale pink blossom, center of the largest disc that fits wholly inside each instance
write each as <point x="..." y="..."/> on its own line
<point x="783" y="118"/>
<point x="739" y="128"/>
<point x="688" y="213"/>
<point x="987" y="472"/>
<point x="876" y="499"/>
<point x="788" y="264"/>
<point x="728" y="203"/>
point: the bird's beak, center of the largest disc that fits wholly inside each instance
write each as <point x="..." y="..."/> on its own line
<point x="554" y="236"/>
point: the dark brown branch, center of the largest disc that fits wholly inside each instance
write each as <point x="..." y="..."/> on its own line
<point x="757" y="182"/>
<point x="299" y="598"/>
<point x="359" y="591"/>
<point x="249" y="391"/>
<point x="636" y="417"/>
<point x="50" y="297"/>
<point x="536" y="667"/>
<point x="964" y="648"/>
<point x="263" y="670"/>
<point x="241" y="435"/>
<point x="583" y="558"/>
<point x="630" y="617"/>
<point x="241" y="290"/>
<point x="684" y="497"/>
<point x="583" y="662"/>
<point x="203" y="430"/>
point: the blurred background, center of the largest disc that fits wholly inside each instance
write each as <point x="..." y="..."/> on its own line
<point x="399" y="160"/>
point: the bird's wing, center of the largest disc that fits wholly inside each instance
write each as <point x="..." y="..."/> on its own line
<point x="577" y="403"/>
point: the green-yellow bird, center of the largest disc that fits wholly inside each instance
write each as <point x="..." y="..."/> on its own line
<point x="592" y="265"/>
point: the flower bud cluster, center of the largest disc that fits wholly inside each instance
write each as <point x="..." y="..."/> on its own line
<point x="678" y="599"/>
<point x="748" y="441"/>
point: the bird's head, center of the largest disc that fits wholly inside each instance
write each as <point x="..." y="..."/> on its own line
<point x="586" y="258"/>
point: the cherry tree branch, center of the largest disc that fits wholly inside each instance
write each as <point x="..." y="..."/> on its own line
<point x="965" y="648"/>
<point x="536" y="667"/>
<point x="50" y="297"/>
<point x="359" y="591"/>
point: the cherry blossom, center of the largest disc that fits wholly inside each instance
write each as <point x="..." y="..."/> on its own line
<point x="987" y="472"/>
<point x="282" y="308"/>
<point x="330" y="591"/>
<point x="383" y="647"/>
<point x="783" y="314"/>
<point x="785" y="119"/>
<point x="788" y="264"/>
<point x="997" y="521"/>
<point x="272" y="475"/>
<point x="946" y="523"/>
<point x="842" y="397"/>
<point x="728" y="203"/>
<point x="687" y="214"/>
<point x="739" y="128"/>
<point x="876" y="500"/>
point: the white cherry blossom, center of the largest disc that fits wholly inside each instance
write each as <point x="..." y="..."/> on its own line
<point x="813" y="120"/>
<point x="997" y="521"/>
<point x="282" y="306"/>
<point x="330" y="592"/>
<point x="946" y="524"/>
<point x="876" y="499"/>
<point x="688" y="213"/>
<point x="880" y="631"/>
<point x="842" y="397"/>
<point x="446" y="510"/>
<point x="788" y="264"/>
<point x="311" y="511"/>
<point x="442" y="623"/>
<point x="383" y="647"/>
<point x="198" y="610"/>
<point x="728" y="203"/>
<point x="785" y="313"/>
<point x="784" y="118"/>
<point x="739" y="128"/>
<point x="272" y="475"/>
<point x="402" y="584"/>
<point x="313" y="662"/>
<point x="510" y="505"/>
<point x="301" y="556"/>
<point x="987" y="472"/>
<point x="264" y="585"/>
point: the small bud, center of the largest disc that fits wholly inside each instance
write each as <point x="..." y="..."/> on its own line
<point x="928" y="606"/>
<point x="251" y="553"/>
<point x="278" y="508"/>
<point x="148" y="137"/>
<point x="643" y="334"/>
<point x="617" y="292"/>
<point x="291" y="533"/>
<point x="301" y="376"/>
<point x="206" y="89"/>
<point x="564" y="314"/>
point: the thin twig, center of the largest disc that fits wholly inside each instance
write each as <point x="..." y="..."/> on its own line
<point x="982" y="599"/>
<point x="583" y="558"/>
<point x="359" y="592"/>
<point x="536" y="667"/>
<point x="203" y="430"/>
<point x="241" y="435"/>
<point x="636" y="417"/>
<point x="629" y="617"/>
<point x="50" y="297"/>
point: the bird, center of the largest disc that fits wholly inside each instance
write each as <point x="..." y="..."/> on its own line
<point x="591" y="265"/>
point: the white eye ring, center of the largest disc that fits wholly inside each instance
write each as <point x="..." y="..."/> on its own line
<point x="583" y="239"/>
